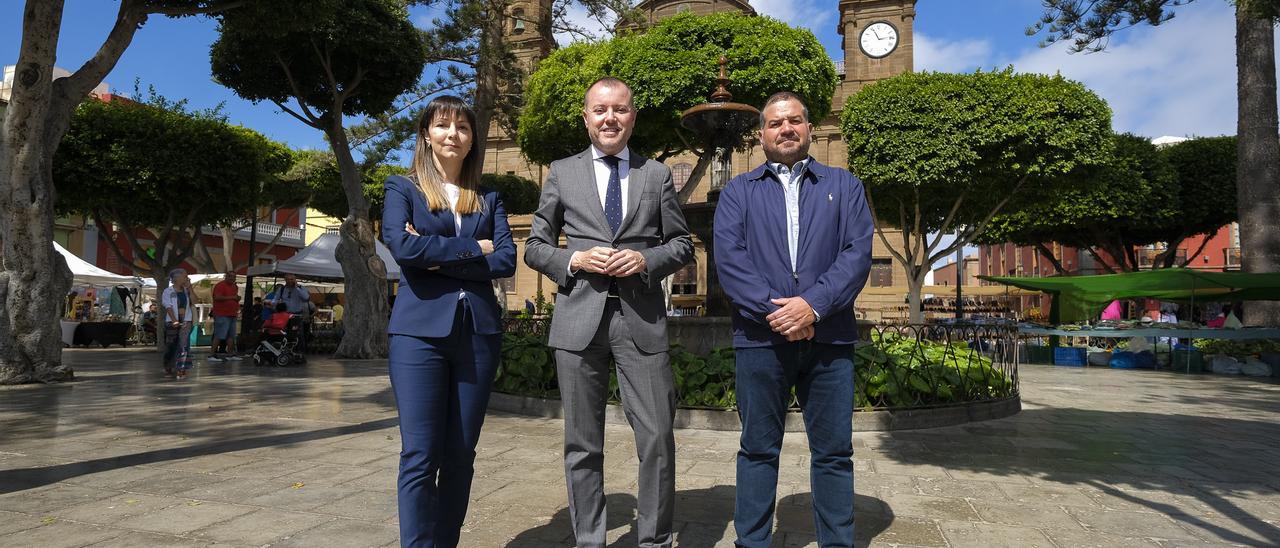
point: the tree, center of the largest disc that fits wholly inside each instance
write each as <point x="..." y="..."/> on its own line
<point x="1090" y="24"/>
<point x="319" y="172"/>
<point x="35" y="277"/>
<point x="156" y="165"/>
<point x="320" y="61"/>
<point x="1125" y="202"/>
<point x="945" y="153"/>
<point x="1205" y="170"/>
<point x="671" y="67"/>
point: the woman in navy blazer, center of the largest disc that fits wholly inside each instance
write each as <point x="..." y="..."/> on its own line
<point x="451" y="240"/>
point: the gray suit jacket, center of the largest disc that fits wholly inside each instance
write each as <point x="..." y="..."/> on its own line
<point x="652" y="224"/>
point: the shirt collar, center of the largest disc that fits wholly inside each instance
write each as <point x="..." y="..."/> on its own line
<point x="797" y="168"/>
<point x="624" y="155"/>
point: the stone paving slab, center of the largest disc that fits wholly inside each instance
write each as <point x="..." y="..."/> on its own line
<point x="238" y="456"/>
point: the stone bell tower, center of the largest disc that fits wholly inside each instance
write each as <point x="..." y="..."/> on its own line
<point x="528" y="32"/>
<point x="878" y="42"/>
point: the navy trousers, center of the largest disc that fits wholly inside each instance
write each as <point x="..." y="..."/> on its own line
<point x="823" y="377"/>
<point x="442" y="389"/>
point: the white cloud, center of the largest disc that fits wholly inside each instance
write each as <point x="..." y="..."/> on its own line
<point x="810" y="14"/>
<point x="944" y="56"/>
<point x="1175" y="79"/>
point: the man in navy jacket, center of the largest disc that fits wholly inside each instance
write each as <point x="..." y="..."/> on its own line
<point x="793" y="249"/>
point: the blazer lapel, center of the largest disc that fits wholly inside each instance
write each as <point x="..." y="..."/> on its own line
<point x="587" y="174"/>
<point x="470" y="222"/>
<point x="637" y="178"/>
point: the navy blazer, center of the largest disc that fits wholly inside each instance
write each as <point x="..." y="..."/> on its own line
<point x="754" y="263"/>
<point x="439" y="263"/>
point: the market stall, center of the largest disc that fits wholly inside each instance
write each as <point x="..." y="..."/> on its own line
<point x="1081" y="299"/>
<point x="85" y="322"/>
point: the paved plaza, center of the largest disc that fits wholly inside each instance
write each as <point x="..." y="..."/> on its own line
<point x="237" y="456"/>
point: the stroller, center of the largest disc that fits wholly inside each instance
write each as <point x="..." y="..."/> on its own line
<point x="278" y="347"/>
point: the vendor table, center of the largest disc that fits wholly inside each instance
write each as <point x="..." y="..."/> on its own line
<point x="103" y="333"/>
<point x="1201" y="333"/>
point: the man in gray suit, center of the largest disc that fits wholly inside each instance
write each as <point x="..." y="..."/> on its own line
<point x="625" y="233"/>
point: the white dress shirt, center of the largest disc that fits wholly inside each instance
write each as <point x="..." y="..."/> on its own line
<point x="602" y="174"/>
<point x="452" y="192"/>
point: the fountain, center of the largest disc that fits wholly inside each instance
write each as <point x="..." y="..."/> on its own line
<point x="720" y="126"/>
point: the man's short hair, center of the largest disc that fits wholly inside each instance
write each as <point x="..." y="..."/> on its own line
<point x="784" y="96"/>
<point x="608" y="81"/>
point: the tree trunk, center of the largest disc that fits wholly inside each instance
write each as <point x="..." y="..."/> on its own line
<point x="35" y="277"/>
<point x="1258" y="150"/>
<point x="228" y="247"/>
<point x="364" y="274"/>
<point x="915" y="286"/>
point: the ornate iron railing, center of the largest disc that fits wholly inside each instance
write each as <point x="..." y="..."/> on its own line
<point x="922" y="366"/>
<point x="897" y="367"/>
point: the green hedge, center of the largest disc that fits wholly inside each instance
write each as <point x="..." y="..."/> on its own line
<point x="893" y="372"/>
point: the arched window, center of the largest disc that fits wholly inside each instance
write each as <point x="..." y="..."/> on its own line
<point x="518" y="16"/>
<point x="680" y="174"/>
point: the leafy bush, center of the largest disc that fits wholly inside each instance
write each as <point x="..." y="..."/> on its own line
<point x="898" y="371"/>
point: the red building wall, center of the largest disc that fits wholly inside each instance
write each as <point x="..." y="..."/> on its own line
<point x="108" y="260"/>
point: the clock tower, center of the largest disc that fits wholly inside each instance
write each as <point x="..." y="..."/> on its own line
<point x="878" y="42"/>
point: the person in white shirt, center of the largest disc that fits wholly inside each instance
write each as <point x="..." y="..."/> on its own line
<point x="178" y="300"/>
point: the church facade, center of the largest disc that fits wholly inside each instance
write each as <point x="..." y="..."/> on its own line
<point x="877" y="44"/>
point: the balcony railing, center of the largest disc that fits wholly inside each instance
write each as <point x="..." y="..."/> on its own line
<point x="839" y="67"/>
<point x="266" y="231"/>
<point x="1232" y="260"/>
<point x="1147" y="257"/>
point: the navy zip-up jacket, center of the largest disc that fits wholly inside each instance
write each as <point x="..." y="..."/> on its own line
<point x="754" y="263"/>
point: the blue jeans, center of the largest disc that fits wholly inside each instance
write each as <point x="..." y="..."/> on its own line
<point x="442" y="390"/>
<point x="178" y="340"/>
<point x="823" y="377"/>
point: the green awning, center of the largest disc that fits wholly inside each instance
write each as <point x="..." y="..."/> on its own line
<point x="1083" y="297"/>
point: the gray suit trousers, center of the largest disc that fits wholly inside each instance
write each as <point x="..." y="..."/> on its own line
<point x="648" y="398"/>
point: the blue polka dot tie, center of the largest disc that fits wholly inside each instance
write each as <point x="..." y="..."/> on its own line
<point x="613" y="194"/>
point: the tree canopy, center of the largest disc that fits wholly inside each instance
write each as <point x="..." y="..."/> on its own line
<point x="159" y="166"/>
<point x="1142" y="195"/>
<point x="357" y="55"/>
<point x="670" y="67"/>
<point x="944" y="153"/>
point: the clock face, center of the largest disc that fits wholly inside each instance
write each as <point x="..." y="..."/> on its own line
<point x="878" y="39"/>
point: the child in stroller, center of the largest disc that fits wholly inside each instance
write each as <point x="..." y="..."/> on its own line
<point x="280" y="336"/>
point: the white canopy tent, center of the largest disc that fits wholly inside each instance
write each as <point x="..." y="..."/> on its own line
<point x="85" y="274"/>
<point x="319" y="261"/>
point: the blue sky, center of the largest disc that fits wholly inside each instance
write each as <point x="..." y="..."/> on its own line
<point x="1178" y="79"/>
